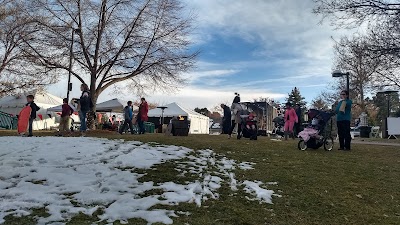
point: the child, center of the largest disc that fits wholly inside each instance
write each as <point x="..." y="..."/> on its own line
<point x="251" y="126"/>
<point x="65" y="114"/>
<point x="250" y="123"/>
<point x="34" y="108"/>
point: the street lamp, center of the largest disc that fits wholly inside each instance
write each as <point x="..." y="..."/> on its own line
<point x="387" y="93"/>
<point x="69" y="88"/>
<point x="337" y="73"/>
<point x="162" y="114"/>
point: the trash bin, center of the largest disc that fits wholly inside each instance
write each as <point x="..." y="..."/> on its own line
<point x="365" y="131"/>
<point x="149" y="127"/>
<point x="180" y="127"/>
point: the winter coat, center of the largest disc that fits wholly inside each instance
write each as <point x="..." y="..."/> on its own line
<point x="227" y="114"/>
<point x="346" y="115"/>
<point x="34" y="108"/>
<point x="236" y="112"/>
<point x="66" y="110"/>
<point x="143" y="110"/>
<point x="128" y="113"/>
<point x="299" y="116"/>
<point x="291" y="116"/>
<point x="85" y="102"/>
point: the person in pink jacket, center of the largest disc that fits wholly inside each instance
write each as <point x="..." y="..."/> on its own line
<point x="290" y="119"/>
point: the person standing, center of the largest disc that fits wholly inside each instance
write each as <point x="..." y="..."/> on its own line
<point x="128" y="118"/>
<point x="66" y="112"/>
<point x="84" y="107"/>
<point x="290" y="119"/>
<point x="343" y="118"/>
<point x="142" y="116"/>
<point x="227" y="119"/>
<point x="236" y="112"/>
<point x="35" y="108"/>
<point x="297" y="126"/>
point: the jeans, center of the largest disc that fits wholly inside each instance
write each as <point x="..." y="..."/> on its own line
<point x="344" y="134"/>
<point x="30" y="126"/>
<point x="129" y="123"/>
<point x="82" y="118"/>
<point x="141" y="125"/>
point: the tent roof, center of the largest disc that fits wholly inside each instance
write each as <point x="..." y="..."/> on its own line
<point x="113" y="105"/>
<point x="173" y="109"/>
<point x="59" y="108"/>
<point x="41" y="97"/>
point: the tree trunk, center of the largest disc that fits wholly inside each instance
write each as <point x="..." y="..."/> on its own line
<point x="93" y="95"/>
<point x="362" y="101"/>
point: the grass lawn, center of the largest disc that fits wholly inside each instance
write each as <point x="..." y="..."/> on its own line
<point x="317" y="187"/>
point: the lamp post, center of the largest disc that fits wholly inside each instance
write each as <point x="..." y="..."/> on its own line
<point x="162" y="116"/>
<point x="69" y="87"/>
<point x="337" y="73"/>
<point x="387" y="93"/>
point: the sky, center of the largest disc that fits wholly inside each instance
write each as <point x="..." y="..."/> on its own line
<point x="258" y="48"/>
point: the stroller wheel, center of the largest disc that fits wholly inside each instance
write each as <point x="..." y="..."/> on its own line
<point x="328" y="143"/>
<point x="302" y="145"/>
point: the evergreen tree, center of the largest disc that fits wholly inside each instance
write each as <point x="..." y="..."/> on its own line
<point x="380" y="100"/>
<point x="203" y="111"/>
<point x="296" y="98"/>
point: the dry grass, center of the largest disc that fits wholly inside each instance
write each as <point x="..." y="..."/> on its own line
<point x="317" y="187"/>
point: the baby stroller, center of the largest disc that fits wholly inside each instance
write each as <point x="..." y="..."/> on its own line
<point x="279" y="124"/>
<point x="249" y="126"/>
<point x="318" y="132"/>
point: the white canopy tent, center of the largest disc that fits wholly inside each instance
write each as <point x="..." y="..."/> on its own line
<point x="44" y="120"/>
<point x="114" y="105"/>
<point x="199" y="124"/>
<point x="59" y="108"/>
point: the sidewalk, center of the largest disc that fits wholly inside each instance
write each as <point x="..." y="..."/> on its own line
<point x="375" y="143"/>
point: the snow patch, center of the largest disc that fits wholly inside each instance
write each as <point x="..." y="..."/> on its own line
<point x="261" y="194"/>
<point x="68" y="176"/>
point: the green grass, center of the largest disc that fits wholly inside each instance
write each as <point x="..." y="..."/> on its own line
<point x="317" y="187"/>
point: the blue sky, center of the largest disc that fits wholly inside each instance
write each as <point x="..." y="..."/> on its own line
<point x="258" y="48"/>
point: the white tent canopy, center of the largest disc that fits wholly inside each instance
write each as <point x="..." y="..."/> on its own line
<point x="59" y="108"/>
<point x="113" y="105"/>
<point x="13" y="105"/>
<point x="199" y="124"/>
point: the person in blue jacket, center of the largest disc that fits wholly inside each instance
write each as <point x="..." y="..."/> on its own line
<point x="343" y="111"/>
<point x="128" y="113"/>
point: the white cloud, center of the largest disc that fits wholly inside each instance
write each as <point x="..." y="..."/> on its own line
<point x="192" y="97"/>
<point x="285" y="26"/>
<point x="209" y="74"/>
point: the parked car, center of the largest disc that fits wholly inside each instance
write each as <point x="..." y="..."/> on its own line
<point x="355" y="131"/>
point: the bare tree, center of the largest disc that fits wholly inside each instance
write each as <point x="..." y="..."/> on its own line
<point x="352" y="55"/>
<point x="319" y="103"/>
<point x="16" y="69"/>
<point x="381" y="16"/>
<point x="114" y="41"/>
<point x="349" y="13"/>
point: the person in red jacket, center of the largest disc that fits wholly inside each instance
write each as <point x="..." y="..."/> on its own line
<point x="66" y="112"/>
<point x="290" y="119"/>
<point x="142" y="116"/>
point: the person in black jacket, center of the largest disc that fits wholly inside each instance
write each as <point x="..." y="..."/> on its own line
<point x="299" y="114"/>
<point x="84" y="106"/>
<point x="34" y="108"/>
<point x="227" y="119"/>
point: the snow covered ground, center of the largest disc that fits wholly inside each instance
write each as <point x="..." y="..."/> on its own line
<point x="67" y="176"/>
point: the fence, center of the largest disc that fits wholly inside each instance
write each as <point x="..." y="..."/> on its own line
<point x="8" y="121"/>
